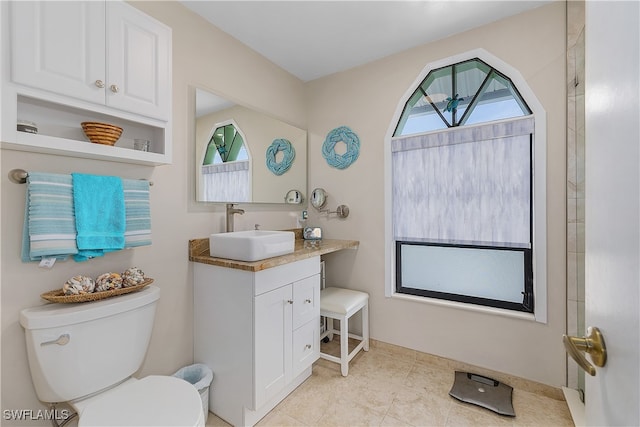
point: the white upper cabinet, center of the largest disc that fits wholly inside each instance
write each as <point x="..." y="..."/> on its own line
<point x="107" y="53"/>
<point x="67" y="62"/>
<point x="59" y="47"/>
<point x="138" y="78"/>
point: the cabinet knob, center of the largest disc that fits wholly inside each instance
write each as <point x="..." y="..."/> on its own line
<point x="307" y="347"/>
<point x="290" y="301"/>
<point x="99" y="83"/>
<point x="114" y="88"/>
<point x="308" y="301"/>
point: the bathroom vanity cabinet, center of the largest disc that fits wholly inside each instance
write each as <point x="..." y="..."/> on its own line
<point x="102" y="61"/>
<point x="259" y="333"/>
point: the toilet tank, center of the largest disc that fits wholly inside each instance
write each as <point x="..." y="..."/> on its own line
<point x="107" y="342"/>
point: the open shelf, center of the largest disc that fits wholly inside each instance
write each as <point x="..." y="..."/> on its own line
<point x="60" y="133"/>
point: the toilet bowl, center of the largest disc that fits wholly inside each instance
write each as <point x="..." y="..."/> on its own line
<point x="151" y="401"/>
<point x="85" y="354"/>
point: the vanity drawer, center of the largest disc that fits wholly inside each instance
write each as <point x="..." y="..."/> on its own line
<point x="306" y="300"/>
<point x="306" y="346"/>
<point x="272" y="278"/>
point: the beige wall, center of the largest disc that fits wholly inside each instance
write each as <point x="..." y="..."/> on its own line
<point x="365" y="99"/>
<point x="175" y="217"/>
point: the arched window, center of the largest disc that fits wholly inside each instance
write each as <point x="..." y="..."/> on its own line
<point x="461" y="94"/>
<point x="462" y="190"/>
<point x="225" y="170"/>
<point x="226" y="145"/>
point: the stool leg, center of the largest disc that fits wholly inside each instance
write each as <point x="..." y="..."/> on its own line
<point x="365" y="326"/>
<point x="344" y="346"/>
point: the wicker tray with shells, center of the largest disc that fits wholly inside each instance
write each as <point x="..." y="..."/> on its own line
<point x="58" y="295"/>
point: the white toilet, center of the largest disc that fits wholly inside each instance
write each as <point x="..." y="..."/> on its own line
<point x="85" y="354"/>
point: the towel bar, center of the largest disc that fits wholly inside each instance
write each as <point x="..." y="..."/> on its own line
<point x="19" y="176"/>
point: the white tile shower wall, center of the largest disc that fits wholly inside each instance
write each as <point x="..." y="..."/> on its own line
<point x="575" y="182"/>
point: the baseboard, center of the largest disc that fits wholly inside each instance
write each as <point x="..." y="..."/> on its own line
<point x="576" y="406"/>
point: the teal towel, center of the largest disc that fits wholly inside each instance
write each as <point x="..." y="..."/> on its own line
<point x="100" y="214"/>
<point x="49" y="228"/>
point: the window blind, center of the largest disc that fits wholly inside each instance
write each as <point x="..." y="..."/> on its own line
<point x="465" y="185"/>
<point x="226" y="182"/>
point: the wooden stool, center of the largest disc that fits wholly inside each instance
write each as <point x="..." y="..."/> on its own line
<point x="341" y="304"/>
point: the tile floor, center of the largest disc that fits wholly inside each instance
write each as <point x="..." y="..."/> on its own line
<point x="393" y="386"/>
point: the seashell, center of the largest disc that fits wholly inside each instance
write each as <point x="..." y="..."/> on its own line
<point x="78" y="285"/>
<point x="132" y="276"/>
<point x="108" y="281"/>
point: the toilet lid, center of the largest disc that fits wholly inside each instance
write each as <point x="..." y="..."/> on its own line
<point x="151" y="401"/>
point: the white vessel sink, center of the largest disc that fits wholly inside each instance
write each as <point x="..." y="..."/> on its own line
<point x="252" y="245"/>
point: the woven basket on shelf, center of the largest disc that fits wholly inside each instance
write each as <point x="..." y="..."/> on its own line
<point x="101" y="133"/>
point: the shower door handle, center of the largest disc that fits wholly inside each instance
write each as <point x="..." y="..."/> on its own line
<point x="593" y="344"/>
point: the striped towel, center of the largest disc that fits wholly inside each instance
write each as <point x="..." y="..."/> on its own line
<point x="138" y="213"/>
<point x="49" y="225"/>
<point x="49" y="228"/>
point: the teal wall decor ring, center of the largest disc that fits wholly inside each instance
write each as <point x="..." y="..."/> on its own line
<point x="285" y="146"/>
<point x="346" y="135"/>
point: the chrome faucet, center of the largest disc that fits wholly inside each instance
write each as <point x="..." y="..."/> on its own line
<point x="230" y="212"/>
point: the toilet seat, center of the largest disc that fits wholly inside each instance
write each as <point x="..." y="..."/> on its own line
<point x="151" y="401"/>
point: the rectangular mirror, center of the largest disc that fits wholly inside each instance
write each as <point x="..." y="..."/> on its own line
<point x="244" y="156"/>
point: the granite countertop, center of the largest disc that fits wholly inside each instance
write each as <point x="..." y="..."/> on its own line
<point x="199" y="252"/>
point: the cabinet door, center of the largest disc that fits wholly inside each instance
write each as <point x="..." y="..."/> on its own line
<point x="138" y="62"/>
<point x="272" y="363"/>
<point x="59" y="46"/>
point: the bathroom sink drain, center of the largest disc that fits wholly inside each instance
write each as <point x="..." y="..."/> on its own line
<point x="483" y="391"/>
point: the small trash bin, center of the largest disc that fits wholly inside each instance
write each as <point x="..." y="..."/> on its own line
<point x="201" y="377"/>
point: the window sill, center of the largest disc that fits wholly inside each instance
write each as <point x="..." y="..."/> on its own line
<point x="467" y="307"/>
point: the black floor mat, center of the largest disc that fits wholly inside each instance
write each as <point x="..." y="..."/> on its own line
<point x="483" y="391"/>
